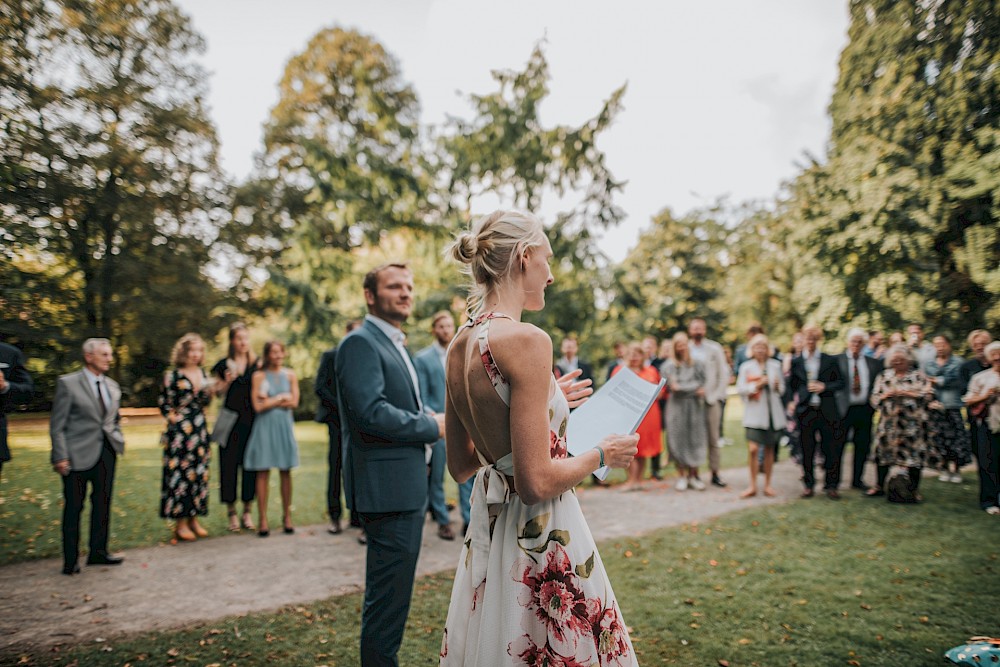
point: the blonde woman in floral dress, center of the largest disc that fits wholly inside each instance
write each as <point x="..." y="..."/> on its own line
<point x="186" y="392"/>
<point x="530" y="587"/>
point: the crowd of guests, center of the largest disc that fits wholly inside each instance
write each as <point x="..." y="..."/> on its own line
<point x="819" y="403"/>
<point x="935" y="410"/>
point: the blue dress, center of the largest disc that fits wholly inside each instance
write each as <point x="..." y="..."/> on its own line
<point x="272" y="441"/>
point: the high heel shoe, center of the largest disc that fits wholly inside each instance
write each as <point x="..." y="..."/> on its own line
<point x="234" y="522"/>
<point x="248" y="521"/>
<point x="183" y="534"/>
<point x="263" y="533"/>
<point x="198" y="529"/>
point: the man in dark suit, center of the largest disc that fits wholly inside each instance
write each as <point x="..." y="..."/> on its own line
<point x="385" y="428"/>
<point x="815" y="381"/>
<point x="86" y="443"/>
<point x="859" y="373"/>
<point x="569" y="361"/>
<point x="15" y="387"/>
<point x="328" y="413"/>
<point x="430" y="364"/>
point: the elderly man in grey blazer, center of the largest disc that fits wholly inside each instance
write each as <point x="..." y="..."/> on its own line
<point x="86" y="443"/>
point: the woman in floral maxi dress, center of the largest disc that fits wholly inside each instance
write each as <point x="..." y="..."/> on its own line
<point x="530" y="587"/>
<point x="185" y="393"/>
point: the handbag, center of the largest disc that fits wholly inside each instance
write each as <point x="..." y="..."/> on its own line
<point x="224" y="424"/>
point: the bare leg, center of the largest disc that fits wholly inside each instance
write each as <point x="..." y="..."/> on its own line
<point x="286" y="497"/>
<point x="263" y="480"/>
<point x="752" y="451"/>
<point x="768" y="470"/>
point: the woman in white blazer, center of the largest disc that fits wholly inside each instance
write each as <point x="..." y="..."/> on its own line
<point x="761" y="384"/>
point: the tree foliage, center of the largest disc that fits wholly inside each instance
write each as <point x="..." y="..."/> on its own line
<point x="110" y="167"/>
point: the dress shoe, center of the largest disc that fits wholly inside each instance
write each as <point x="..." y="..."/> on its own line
<point x="362" y="539"/>
<point x="198" y="529"/>
<point x="717" y="481"/>
<point x="104" y="559"/>
<point x="71" y="569"/>
<point x="833" y="494"/>
<point x="445" y="532"/>
<point x="808" y="493"/>
<point x="335" y="528"/>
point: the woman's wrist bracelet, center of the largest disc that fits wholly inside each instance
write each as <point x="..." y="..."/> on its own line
<point x="600" y="450"/>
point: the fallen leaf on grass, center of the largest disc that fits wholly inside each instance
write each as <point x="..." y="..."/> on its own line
<point x="173" y="653"/>
<point x="866" y="606"/>
<point x="924" y="619"/>
<point x="743" y="642"/>
<point x="723" y="663"/>
<point x="854" y="663"/>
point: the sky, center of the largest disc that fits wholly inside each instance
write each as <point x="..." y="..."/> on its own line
<point x="724" y="98"/>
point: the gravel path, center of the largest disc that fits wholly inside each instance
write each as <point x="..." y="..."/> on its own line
<point x="39" y="606"/>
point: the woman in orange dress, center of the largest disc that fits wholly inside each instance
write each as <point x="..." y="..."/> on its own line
<point x="650" y="431"/>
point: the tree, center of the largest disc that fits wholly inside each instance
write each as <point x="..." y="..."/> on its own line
<point x="340" y="168"/>
<point x="111" y="167"/>
<point x="675" y="273"/>
<point x="505" y="150"/>
<point x="888" y="214"/>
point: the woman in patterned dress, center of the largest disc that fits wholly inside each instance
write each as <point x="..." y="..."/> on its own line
<point x="900" y="395"/>
<point x="687" y="435"/>
<point x="186" y="391"/>
<point x="530" y="587"/>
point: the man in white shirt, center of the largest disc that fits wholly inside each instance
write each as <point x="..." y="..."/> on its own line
<point x="859" y="372"/>
<point x="922" y="350"/>
<point x="713" y="357"/>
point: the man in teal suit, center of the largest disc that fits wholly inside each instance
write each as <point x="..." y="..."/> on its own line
<point x="385" y="428"/>
<point x="430" y="364"/>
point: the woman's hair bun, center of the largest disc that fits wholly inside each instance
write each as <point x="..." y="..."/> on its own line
<point x="465" y="248"/>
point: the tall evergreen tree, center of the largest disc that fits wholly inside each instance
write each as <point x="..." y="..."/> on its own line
<point x="887" y="217"/>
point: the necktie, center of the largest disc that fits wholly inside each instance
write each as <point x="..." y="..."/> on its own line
<point x="100" y="400"/>
<point x="856" y="380"/>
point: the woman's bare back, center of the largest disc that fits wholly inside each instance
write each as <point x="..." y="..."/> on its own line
<point x="480" y="408"/>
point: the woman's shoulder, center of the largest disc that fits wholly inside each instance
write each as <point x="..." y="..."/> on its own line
<point x="519" y="333"/>
<point x="520" y="342"/>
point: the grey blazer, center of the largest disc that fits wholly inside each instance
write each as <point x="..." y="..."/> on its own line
<point x="75" y="425"/>
<point x="381" y="425"/>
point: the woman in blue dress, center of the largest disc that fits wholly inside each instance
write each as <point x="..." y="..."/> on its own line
<point x="275" y="393"/>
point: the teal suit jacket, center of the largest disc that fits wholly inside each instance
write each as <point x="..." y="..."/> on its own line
<point x="382" y="427"/>
<point x="430" y="373"/>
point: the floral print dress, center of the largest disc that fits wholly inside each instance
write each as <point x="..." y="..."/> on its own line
<point x="186" y="449"/>
<point x="901" y="437"/>
<point x="530" y="588"/>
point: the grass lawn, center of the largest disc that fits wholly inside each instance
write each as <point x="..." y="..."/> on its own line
<point x="811" y="583"/>
<point x="31" y="493"/>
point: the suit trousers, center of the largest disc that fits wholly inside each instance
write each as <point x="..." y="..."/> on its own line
<point x="435" y="487"/>
<point x="858" y="429"/>
<point x="231" y="466"/>
<point x="986" y="445"/>
<point x="101" y="477"/>
<point x="335" y="461"/>
<point x="813" y="423"/>
<point x="393" y="549"/>
<point x="713" y="417"/>
<point x="465" y="501"/>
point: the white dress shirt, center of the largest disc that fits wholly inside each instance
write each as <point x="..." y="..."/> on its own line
<point x="98" y="385"/>
<point x="812" y="371"/>
<point x="398" y="338"/>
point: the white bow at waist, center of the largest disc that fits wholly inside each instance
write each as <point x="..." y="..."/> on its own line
<point x="489" y="496"/>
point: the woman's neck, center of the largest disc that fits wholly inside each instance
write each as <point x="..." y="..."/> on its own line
<point x="190" y="368"/>
<point x="506" y="302"/>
